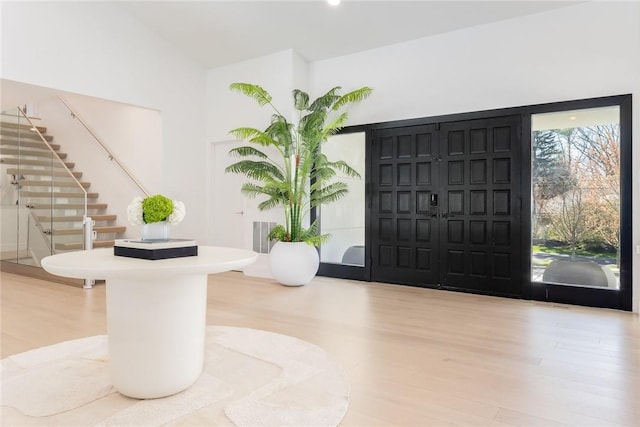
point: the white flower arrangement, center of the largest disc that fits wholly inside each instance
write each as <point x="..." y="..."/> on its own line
<point x="156" y="208"/>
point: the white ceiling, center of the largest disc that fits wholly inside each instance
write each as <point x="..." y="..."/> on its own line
<point x="216" y="33"/>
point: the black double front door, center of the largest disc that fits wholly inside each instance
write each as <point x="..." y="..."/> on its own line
<point x="445" y="205"/>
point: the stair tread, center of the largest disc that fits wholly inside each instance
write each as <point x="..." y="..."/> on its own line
<point x="63" y="194"/>
<point x="79" y="245"/>
<point x="99" y="206"/>
<point x="56" y="164"/>
<point x="42" y="172"/>
<point x="30" y="153"/>
<point x="14" y="141"/>
<point x="77" y="218"/>
<point x="97" y="229"/>
<point x="24" y="126"/>
<point x="43" y="183"/>
<point x="24" y="135"/>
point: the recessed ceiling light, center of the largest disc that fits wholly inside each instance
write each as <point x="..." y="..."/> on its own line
<point x="572" y="118"/>
<point x="333" y="2"/>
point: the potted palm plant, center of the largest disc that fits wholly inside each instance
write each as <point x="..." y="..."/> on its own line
<point x="287" y="168"/>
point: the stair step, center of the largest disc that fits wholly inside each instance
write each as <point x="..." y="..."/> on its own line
<point x="12" y="141"/>
<point x="32" y="153"/>
<point x="77" y="218"/>
<point x="91" y="206"/>
<point x="78" y="245"/>
<point x="98" y="230"/>
<point x="55" y="164"/>
<point x="24" y="135"/>
<point x="23" y="126"/>
<point x="47" y="183"/>
<point x="62" y="194"/>
<point x="41" y="172"/>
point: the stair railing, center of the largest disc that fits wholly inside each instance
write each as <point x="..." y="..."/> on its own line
<point x="110" y="155"/>
<point x="87" y="223"/>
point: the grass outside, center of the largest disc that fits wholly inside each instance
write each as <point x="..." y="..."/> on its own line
<point x="565" y="250"/>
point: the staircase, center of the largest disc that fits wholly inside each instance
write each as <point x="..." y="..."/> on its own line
<point x="54" y="199"/>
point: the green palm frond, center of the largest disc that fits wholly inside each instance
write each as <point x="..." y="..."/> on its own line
<point x="300" y="100"/>
<point x="253" y="91"/>
<point x="271" y="203"/>
<point x="246" y="152"/>
<point x="278" y="233"/>
<point x="335" y="125"/>
<point x="254" y="135"/>
<point x="322" y="170"/>
<point x="252" y="190"/>
<point x="245" y="132"/>
<point x="280" y="131"/>
<point x="321" y="175"/>
<point x="325" y="101"/>
<point x="352" y="97"/>
<point x="312" y="235"/>
<point x="258" y="170"/>
<point x="274" y="199"/>
<point x="329" y="193"/>
<point x="343" y="167"/>
<point x="311" y="126"/>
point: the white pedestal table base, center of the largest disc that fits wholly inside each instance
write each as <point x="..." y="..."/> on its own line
<point x="156" y="332"/>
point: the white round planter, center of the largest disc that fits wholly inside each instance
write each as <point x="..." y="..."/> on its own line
<point x="293" y="263"/>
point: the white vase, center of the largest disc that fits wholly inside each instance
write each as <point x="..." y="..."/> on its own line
<point x="293" y="263"/>
<point x="155" y="232"/>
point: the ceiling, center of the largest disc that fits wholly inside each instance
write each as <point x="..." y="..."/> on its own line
<point x="217" y="33"/>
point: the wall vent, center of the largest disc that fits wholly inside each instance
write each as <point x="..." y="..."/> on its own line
<point x="261" y="243"/>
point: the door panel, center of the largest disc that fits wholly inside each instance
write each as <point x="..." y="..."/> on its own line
<point x="404" y="236"/>
<point x="480" y="217"/>
<point x="446" y="206"/>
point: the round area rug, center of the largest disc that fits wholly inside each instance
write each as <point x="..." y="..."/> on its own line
<point x="250" y="378"/>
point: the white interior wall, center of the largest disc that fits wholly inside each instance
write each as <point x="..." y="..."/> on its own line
<point x="99" y="50"/>
<point x="583" y="51"/>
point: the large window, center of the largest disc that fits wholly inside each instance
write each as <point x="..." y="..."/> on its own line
<point x="575" y="209"/>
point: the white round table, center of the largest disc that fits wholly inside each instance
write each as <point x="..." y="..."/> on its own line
<point x="156" y="313"/>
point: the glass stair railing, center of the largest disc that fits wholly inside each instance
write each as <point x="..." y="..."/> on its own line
<point x="46" y="208"/>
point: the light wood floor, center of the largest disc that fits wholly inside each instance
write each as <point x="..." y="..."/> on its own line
<point x="414" y="357"/>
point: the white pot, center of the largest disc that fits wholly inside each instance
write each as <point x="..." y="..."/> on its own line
<point x="293" y="263"/>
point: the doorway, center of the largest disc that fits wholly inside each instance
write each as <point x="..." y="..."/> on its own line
<point x="445" y="205"/>
<point x="454" y="202"/>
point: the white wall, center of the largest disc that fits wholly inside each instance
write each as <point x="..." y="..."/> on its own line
<point x="99" y="50"/>
<point x="583" y="51"/>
